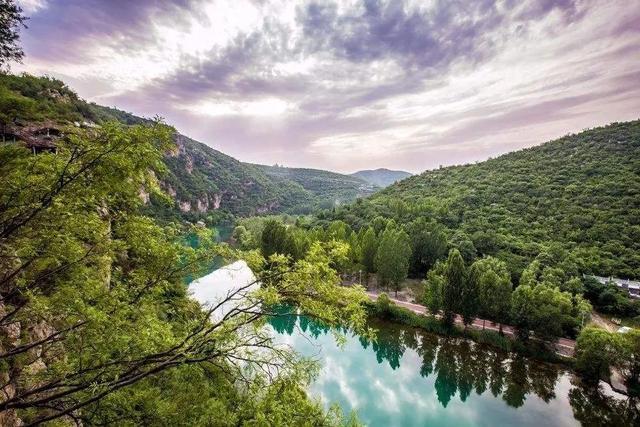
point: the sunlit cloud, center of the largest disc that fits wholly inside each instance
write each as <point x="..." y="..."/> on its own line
<point x="32" y="6"/>
<point x="350" y="84"/>
<point x="270" y="107"/>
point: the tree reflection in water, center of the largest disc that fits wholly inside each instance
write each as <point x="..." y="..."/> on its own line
<point x="463" y="367"/>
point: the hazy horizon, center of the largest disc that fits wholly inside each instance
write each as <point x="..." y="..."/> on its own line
<point x="350" y="85"/>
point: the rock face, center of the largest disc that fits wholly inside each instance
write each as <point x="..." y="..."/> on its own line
<point x="217" y="198"/>
<point x="144" y="196"/>
<point x="185" y="206"/>
<point x="201" y="180"/>
<point x="35" y="360"/>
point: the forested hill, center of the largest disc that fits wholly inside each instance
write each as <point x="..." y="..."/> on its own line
<point x="202" y="181"/>
<point x="381" y="177"/>
<point x="327" y="189"/>
<point x="581" y="191"/>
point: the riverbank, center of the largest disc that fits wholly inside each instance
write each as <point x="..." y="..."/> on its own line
<point x="563" y="346"/>
<point x="417" y="316"/>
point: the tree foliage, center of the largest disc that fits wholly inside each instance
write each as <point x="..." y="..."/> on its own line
<point x="11" y="19"/>
<point x="493" y="282"/>
<point x="392" y="257"/>
<point x="454" y="285"/>
<point x="369" y="248"/>
<point x="95" y="291"/>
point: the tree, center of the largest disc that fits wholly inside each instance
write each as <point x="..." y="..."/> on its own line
<point x="392" y="257"/>
<point x="596" y="352"/>
<point x="454" y="286"/>
<point x="96" y="290"/>
<point x="368" y="248"/>
<point x="428" y="245"/>
<point x="493" y="281"/>
<point x="11" y="19"/>
<point x="630" y="363"/>
<point x="274" y="238"/>
<point x="469" y="301"/>
<point x="544" y="309"/>
<point x="434" y="286"/>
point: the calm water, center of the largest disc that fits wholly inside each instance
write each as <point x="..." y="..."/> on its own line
<point x="412" y="378"/>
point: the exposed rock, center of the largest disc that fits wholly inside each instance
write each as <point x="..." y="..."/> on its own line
<point x="185" y="206"/>
<point x="202" y="204"/>
<point x="217" y="198"/>
<point x="268" y="208"/>
<point x="144" y="196"/>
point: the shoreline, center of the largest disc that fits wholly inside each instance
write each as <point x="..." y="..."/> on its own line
<point x="420" y="318"/>
<point x="564" y="347"/>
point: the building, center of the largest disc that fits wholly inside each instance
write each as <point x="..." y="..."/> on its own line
<point x="631" y="286"/>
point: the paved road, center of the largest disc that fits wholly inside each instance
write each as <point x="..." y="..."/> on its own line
<point x="564" y="346"/>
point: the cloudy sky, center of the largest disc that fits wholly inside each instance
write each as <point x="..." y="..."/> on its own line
<point x="351" y="84"/>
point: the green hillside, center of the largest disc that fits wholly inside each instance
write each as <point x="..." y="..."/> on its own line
<point x="381" y="177"/>
<point x="203" y="182"/>
<point x="581" y="191"/>
<point x="327" y="189"/>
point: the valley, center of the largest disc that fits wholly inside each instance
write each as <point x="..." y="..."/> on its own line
<point x="319" y="214"/>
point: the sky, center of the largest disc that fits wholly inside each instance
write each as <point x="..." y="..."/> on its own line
<point x="349" y="85"/>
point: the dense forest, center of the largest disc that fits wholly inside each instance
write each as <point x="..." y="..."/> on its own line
<point x="579" y="193"/>
<point x="328" y="188"/>
<point x="381" y="177"/>
<point x="203" y="183"/>
<point x="96" y="204"/>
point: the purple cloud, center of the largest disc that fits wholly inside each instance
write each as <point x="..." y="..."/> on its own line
<point x="341" y="86"/>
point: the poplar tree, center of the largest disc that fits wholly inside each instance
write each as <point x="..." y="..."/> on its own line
<point x="493" y="282"/>
<point x="369" y="247"/>
<point x="453" y="286"/>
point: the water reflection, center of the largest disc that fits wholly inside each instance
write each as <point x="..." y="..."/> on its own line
<point x="427" y="368"/>
<point x="462" y="366"/>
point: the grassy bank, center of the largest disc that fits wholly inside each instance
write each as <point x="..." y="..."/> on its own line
<point x="429" y="323"/>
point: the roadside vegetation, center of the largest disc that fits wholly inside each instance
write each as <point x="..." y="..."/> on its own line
<point x="550" y="300"/>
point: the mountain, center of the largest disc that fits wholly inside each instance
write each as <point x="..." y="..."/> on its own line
<point x="201" y="180"/>
<point x="326" y="188"/>
<point x="381" y="177"/>
<point x="579" y="194"/>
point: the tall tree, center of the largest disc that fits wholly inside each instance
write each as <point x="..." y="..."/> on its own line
<point x="596" y="352"/>
<point x="469" y="301"/>
<point x="274" y="238"/>
<point x="11" y="19"/>
<point x="82" y="273"/>
<point x="454" y="286"/>
<point x="434" y="286"/>
<point x="392" y="257"/>
<point x="368" y="249"/>
<point x="493" y="281"/>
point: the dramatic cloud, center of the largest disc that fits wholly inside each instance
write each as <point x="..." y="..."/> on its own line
<point x="351" y="84"/>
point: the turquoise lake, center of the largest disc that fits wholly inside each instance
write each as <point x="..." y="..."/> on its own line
<point x="412" y="378"/>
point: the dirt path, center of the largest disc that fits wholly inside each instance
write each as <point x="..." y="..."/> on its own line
<point x="605" y="324"/>
<point x="564" y="346"/>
